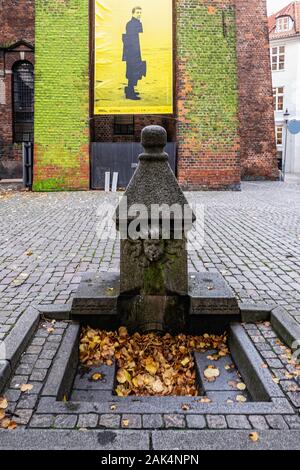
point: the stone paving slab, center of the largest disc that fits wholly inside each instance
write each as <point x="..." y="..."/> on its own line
<point x="224" y="440"/>
<point x="73" y="440"/>
<point x="43" y="439"/>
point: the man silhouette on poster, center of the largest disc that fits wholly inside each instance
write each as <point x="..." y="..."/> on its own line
<point x="135" y="67"/>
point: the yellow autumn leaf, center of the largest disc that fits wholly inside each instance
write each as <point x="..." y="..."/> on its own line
<point x="151" y="366"/>
<point x="138" y="381"/>
<point x="119" y="392"/>
<point x="125" y="423"/>
<point x="3" y="403"/>
<point x="123" y="376"/>
<point x="254" y="436"/>
<point x="97" y="377"/>
<point x="205" y="400"/>
<point x="5" y="423"/>
<point x="223" y="353"/>
<point x="185" y="407"/>
<point x="241" y="386"/>
<point x="241" y="399"/>
<point x="123" y="333"/>
<point x="26" y="388"/>
<point x="185" y="361"/>
<point x="2" y="414"/>
<point x="211" y="373"/>
<point x="157" y="386"/>
<point x="12" y="425"/>
<point x="215" y="357"/>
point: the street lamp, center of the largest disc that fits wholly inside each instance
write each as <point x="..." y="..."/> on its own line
<point x="286" y="121"/>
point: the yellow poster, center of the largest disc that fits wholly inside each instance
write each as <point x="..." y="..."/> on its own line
<point x="133" y="57"/>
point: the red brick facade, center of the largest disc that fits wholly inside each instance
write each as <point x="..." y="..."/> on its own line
<point x="16" y="44"/>
<point x="256" y="111"/>
<point x="206" y="162"/>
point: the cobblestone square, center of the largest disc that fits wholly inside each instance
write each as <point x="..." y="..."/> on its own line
<point x="49" y="240"/>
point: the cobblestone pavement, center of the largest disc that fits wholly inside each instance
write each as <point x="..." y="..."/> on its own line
<point x="48" y="240"/>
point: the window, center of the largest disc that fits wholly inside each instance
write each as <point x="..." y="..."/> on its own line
<point x="279" y="135"/>
<point x="284" y="23"/>
<point x="23" y="99"/>
<point x="124" y="125"/>
<point x="278" y="94"/>
<point x="278" y="57"/>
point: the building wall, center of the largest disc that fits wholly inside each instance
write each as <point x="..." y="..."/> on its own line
<point x="297" y="116"/>
<point x="207" y="133"/>
<point x="256" y="113"/>
<point x="289" y="78"/>
<point x="61" y="95"/>
<point x="219" y="44"/>
<point x="16" y="23"/>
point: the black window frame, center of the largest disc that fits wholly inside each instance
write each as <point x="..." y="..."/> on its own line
<point x="22" y="103"/>
<point x="124" y="129"/>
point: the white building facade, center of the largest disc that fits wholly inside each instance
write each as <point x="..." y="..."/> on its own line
<point x="284" y="29"/>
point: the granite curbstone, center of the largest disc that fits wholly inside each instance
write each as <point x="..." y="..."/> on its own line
<point x="56" y="311"/>
<point x="285" y="326"/>
<point x="63" y="370"/>
<point x="254" y="313"/>
<point x="19" y="337"/>
<point x="5" y="373"/>
<point x="259" y="380"/>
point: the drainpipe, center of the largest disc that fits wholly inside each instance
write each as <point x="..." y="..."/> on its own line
<point x="286" y="120"/>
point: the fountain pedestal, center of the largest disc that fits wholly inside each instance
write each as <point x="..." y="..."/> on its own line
<point x="153" y="291"/>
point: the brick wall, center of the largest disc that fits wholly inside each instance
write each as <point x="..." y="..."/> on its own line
<point x="62" y="95"/>
<point x="103" y="128"/>
<point x="16" y="23"/>
<point x="214" y="59"/>
<point x="256" y="111"/>
<point x="207" y="95"/>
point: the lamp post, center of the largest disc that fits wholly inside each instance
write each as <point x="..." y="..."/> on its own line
<point x="286" y="121"/>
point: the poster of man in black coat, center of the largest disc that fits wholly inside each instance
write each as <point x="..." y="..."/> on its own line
<point x="136" y="68"/>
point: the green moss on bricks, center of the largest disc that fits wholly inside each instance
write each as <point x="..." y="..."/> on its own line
<point x="206" y="45"/>
<point x="61" y="92"/>
<point x="52" y="184"/>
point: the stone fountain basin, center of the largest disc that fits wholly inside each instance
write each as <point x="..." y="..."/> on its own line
<point x="264" y="396"/>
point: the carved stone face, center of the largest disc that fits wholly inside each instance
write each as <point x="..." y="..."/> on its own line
<point x="153" y="249"/>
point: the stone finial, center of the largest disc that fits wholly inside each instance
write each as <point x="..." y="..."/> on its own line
<point x="154" y="140"/>
<point x="153" y="183"/>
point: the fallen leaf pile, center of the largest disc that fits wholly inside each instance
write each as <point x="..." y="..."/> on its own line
<point x="5" y="421"/>
<point x="150" y="364"/>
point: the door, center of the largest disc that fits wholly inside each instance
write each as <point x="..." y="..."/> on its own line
<point x="121" y="158"/>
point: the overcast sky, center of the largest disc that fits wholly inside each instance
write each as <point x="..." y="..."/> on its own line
<point x="276" y="5"/>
